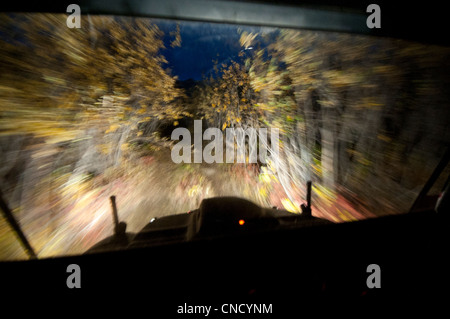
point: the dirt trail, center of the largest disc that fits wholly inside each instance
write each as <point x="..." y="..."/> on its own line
<point x="150" y="186"/>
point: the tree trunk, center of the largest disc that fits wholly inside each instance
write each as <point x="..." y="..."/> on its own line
<point x="328" y="150"/>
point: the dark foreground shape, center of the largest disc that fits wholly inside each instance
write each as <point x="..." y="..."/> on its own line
<point x="281" y="261"/>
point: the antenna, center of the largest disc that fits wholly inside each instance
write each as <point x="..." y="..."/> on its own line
<point x="434" y="176"/>
<point x="306" y="210"/>
<point x="119" y="227"/>
<point x="16" y="227"/>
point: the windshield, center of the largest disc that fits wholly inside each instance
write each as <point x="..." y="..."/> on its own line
<point x="163" y="114"/>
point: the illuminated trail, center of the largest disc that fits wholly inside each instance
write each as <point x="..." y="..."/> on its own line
<point x="145" y="192"/>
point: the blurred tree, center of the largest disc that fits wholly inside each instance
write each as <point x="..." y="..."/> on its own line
<point x="111" y="70"/>
<point x="336" y="98"/>
<point x="81" y="93"/>
<point x="228" y="100"/>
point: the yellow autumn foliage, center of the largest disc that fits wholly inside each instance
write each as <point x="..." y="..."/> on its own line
<point x="289" y="206"/>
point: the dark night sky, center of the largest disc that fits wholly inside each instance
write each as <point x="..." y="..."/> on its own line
<point x="201" y="43"/>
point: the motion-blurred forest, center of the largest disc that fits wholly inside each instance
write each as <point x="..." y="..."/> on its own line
<point x="88" y="113"/>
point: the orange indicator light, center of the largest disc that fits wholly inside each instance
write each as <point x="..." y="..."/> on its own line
<point x="241" y="222"/>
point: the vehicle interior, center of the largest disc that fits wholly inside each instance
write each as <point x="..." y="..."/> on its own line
<point x="229" y="249"/>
